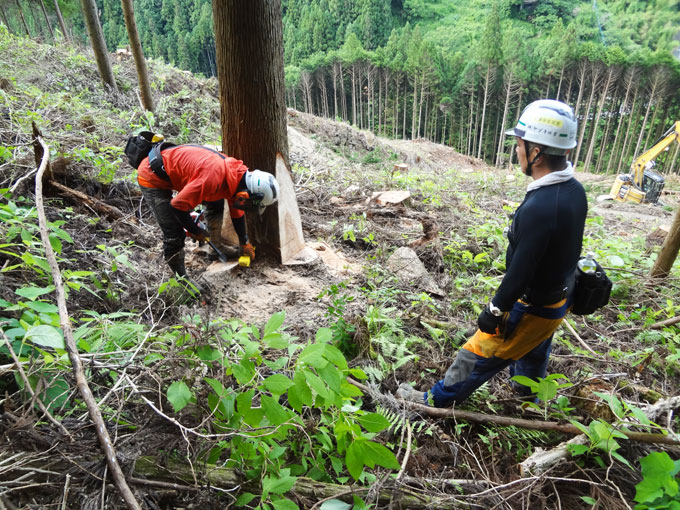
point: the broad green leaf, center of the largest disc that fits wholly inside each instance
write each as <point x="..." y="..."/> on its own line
<point x="277" y="383"/>
<point x="358" y="373"/>
<point x="55" y="243"/>
<point x="657" y="479"/>
<point x="303" y="391"/>
<point x="316" y="384"/>
<point x="208" y="353"/>
<point x="253" y="417"/>
<point x="275" y="485"/>
<point x="244" y="499"/>
<point x="275" y="341"/>
<point x="43" y="307"/>
<point x="34" y="292"/>
<point x="380" y="455"/>
<point x="324" y="335"/>
<point x="275" y="412"/>
<point x="332" y="377"/>
<point x="294" y="399"/>
<point x="354" y="460"/>
<point x="243" y="371"/>
<point x="284" y="504"/>
<point x="374" y="422"/>
<point x="244" y="401"/>
<point x="216" y="386"/>
<point x="179" y="395"/>
<point x="525" y="381"/>
<point x="274" y="323"/>
<point x="335" y="356"/>
<point x="335" y="504"/>
<point x="45" y="336"/>
<point x="312" y="355"/>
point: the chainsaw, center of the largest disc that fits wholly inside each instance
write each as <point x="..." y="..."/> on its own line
<point x="197" y="218"/>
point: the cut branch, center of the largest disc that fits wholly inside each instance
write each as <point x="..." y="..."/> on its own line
<point x="71" y="348"/>
<point x="506" y="421"/>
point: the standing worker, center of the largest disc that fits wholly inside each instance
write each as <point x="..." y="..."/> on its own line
<point x="201" y="175"/>
<point x="517" y="326"/>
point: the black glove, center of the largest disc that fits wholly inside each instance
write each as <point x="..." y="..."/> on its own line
<point x="488" y="322"/>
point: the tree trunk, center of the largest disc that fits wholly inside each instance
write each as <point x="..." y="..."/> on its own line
<point x="629" y="82"/>
<point x="4" y="19"/>
<point x="61" y="21"/>
<point x="138" y="54"/>
<point x="47" y="20"/>
<point x="420" y="103"/>
<point x="413" y="109"/>
<point x="343" y="95"/>
<point x="101" y="54"/>
<point x="249" y="44"/>
<point x="626" y="140"/>
<point x="658" y="79"/>
<point x="403" y="125"/>
<point x="594" y="78"/>
<point x="21" y="14"/>
<point x="506" y="107"/>
<point x="596" y="122"/>
<point x="559" y="85"/>
<point x="334" y="74"/>
<point x="669" y="250"/>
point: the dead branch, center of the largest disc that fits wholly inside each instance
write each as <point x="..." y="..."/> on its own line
<point x="580" y="340"/>
<point x="506" y="421"/>
<point x="111" y="212"/>
<point x="72" y="349"/>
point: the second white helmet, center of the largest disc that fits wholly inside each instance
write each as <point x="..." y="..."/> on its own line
<point x="263" y="188"/>
<point x="549" y="123"/>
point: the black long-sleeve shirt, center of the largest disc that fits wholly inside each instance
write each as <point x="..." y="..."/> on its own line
<point x="545" y="241"/>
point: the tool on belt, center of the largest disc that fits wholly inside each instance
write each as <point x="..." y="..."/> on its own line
<point x="197" y="217"/>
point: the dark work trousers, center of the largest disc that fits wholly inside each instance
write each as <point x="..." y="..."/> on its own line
<point x="173" y="232"/>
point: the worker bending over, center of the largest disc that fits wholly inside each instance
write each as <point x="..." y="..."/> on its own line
<point x="516" y="327"/>
<point x="202" y="175"/>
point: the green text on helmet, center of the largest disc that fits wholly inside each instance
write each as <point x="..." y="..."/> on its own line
<point x="549" y="123"/>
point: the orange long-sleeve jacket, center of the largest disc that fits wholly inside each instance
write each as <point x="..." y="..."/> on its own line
<point x="198" y="174"/>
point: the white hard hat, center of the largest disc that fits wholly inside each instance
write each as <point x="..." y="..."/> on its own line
<point x="263" y="188"/>
<point x="549" y="123"/>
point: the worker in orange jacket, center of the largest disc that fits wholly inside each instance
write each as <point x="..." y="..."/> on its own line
<point x="201" y="175"/>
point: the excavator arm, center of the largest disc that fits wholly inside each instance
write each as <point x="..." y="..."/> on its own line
<point x="639" y="165"/>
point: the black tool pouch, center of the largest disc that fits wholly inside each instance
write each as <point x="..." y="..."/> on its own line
<point x="591" y="291"/>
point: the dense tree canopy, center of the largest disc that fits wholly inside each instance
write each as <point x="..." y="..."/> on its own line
<point x="455" y="72"/>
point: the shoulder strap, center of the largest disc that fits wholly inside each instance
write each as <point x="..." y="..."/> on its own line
<point x="156" y="160"/>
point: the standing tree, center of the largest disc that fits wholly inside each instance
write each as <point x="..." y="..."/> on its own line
<point x="47" y="19"/>
<point x="669" y="250"/>
<point x="249" y="44"/>
<point x="101" y="54"/>
<point x="23" y="19"/>
<point x="61" y="20"/>
<point x="138" y="54"/>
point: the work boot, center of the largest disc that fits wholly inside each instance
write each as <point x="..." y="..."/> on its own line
<point x="176" y="263"/>
<point x="406" y="392"/>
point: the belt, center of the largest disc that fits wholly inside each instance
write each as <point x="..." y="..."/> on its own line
<point x="544" y="297"/>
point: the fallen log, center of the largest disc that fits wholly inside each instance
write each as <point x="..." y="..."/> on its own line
<point x="542" y="460"/>
<point x="174" y="470"/>
<point x="564" y="428"/>
<point x="111" y="212"/>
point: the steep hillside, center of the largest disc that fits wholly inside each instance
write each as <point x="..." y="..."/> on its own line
<point x="251" y="385"/>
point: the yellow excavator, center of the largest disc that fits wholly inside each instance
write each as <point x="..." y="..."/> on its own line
<point x="642" y="184"/>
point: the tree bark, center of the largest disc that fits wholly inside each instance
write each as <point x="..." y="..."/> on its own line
<point x="594" y="79"/>
<point x="101" y="54"/>
<point x="47" y="20"/>
<point x="669" y="250"/>
<point x="23" y="19"/>
<point x="61" y="21"/>
<point x="4" y="19"/>
<point x="138" y="54"/>
<point x="249" y="43"/>
<point x="629" y="82"/>
<point x="168" y="469"/>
